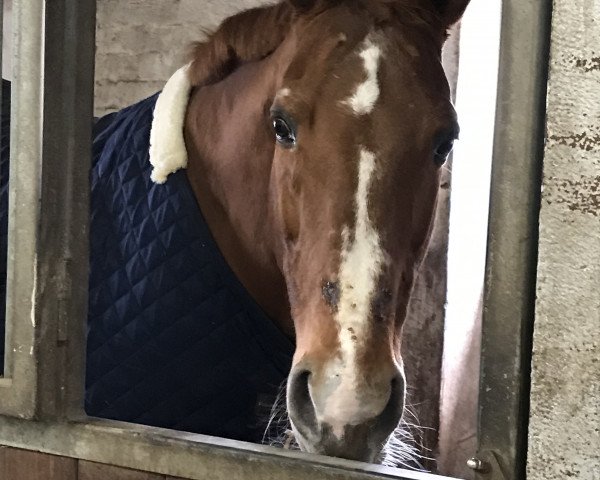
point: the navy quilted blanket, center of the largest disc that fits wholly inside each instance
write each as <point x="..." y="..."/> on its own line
<point x="174" y="340"/>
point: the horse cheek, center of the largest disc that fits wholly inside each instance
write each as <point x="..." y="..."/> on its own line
<point x="290" y="217"/>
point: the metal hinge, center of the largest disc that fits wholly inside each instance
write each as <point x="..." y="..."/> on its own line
<point x="485" y="464"/>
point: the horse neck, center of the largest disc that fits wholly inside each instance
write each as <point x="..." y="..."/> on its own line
<point x="230" y="153"/>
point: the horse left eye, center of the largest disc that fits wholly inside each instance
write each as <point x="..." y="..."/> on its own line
<point x="283" y="132"/>
<point x="442" y="151"/>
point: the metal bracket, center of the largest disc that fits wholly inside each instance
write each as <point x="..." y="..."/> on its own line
<point x="486" y="466"/>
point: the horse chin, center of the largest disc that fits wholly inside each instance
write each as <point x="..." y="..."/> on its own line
<point x="353" y="446"/>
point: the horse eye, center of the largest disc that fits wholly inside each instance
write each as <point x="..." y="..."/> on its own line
<point x="442" y="151"/>
<point x="283" y="132"/>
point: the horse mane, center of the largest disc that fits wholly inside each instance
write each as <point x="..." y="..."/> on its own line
<point x="248" y="36"/>
<point x="255" y="33"/>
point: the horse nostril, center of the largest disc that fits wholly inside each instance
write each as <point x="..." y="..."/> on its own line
<point x="300" y="387"/>
<point x="300" y="404"/>
<point x="392" y="413"/>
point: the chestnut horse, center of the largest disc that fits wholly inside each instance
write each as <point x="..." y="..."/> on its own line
<point x="315" y="132"/>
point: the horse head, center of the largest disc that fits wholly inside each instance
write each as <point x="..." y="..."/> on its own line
<point x="316" y="134"/>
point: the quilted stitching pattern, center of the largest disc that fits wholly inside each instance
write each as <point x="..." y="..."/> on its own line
<point x="174" y="340"/>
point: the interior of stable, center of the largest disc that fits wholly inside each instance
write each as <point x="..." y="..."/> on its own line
<point x="466" y="238"/>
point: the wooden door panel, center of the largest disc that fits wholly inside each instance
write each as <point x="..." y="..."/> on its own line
<point x="18" y="464"/>
<point x="98" y="471"/>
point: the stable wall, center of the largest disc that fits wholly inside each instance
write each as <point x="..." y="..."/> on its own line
<point x="564" y="429"/>
<point x="140" y="43"/>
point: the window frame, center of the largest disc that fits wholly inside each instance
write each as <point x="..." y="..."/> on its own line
<point x="41" y="397"/>
<point x="511" y="261"/>
<point x="48" y="209"/>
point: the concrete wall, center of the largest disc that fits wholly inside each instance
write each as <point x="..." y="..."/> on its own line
<point x="564" y="431"/>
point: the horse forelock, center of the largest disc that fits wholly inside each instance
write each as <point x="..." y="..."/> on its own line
<point x="254" y="34"/>
<point x="247" y="36"/>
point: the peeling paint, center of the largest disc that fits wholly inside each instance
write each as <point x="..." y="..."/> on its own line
<point x="582" y="195"/>
<point x="586" y="64"/>
<point x="587" y="141"/>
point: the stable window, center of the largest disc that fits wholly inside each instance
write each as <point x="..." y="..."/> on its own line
<point x="41" y="392"/>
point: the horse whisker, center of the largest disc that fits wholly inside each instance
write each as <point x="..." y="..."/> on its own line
<point x="403" y="448"/>
<point x="278" y="431"/>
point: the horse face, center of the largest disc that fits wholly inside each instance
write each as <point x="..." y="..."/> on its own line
<point x="338" y="117"/>
<point x="362" y="122"/>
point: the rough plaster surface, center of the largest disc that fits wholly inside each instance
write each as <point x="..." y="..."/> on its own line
<point x="564" y="430"/>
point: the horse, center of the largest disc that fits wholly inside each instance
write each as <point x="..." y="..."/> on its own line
<point x="315" y="134"/>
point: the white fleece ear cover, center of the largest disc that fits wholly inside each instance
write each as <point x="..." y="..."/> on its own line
<point x="167" y="145"/>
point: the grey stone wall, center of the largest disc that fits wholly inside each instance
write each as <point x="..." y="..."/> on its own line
<point x="564" y="431"/>
<point x="140" y="43"/>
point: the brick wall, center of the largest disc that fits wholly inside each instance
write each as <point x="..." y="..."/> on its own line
<point x="140" y="43"/>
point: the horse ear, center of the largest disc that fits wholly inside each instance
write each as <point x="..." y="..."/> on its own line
<point x="248" y="36"/>
<point x="450" y="11"/>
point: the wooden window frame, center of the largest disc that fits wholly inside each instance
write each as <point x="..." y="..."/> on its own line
<point x="41" y="395"/>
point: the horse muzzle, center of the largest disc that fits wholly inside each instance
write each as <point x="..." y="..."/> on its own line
<point x="341" y="418"/>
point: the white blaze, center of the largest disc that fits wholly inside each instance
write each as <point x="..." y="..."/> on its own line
<point x="362" y="259"/>
<point x="366" y="94"/>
